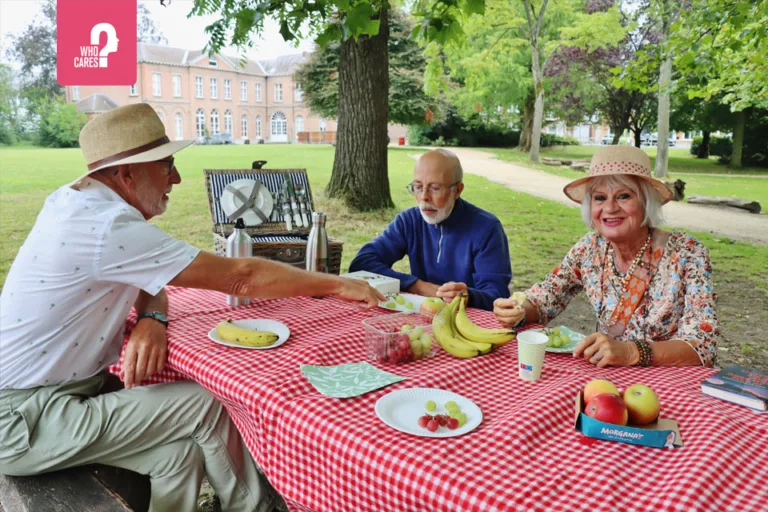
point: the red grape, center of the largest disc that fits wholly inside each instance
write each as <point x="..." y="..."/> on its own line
<point x="453" y="423"/>
<point x="432" y="425"/>
<point x="424" y="420"/>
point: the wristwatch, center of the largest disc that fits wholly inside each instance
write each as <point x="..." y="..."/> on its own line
<point x="154" y="315"/>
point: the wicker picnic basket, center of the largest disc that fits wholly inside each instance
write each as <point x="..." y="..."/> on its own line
<point x="271" y="239"/>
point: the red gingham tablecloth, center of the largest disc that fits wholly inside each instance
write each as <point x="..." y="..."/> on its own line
<point x="332" y="454"/>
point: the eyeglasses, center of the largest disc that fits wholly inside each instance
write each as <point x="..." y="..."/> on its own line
<point x="171" y="165"/>
<point x="434" y="189"/>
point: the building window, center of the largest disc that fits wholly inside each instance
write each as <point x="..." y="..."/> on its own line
<point x="227" y="121"/>
<point x="200" y="123"/>
<point x="177" y="86"/>
<point x="212" y="61"/>
<point x="299" y="125"/>
<point x="244" y="90"/>
<point x="160" y="115"/>
<point x="180" y="126"/>
<point x="278" y="92"/>
<point x="244" y="126"/>
<point x="133" y="91"/>
<point x="258" y="92"/>
<point x="198" y="87"/>
<point x="214" y="88"/>
<point x="279" y="124"/>
<point x="157" y="89"/>
<point x="258" y="127"/>
<point x="322" y="124"/>
<point x="75" y="93"/>
<point x="214" y="122"/>
<point x="299" y="93"/>
<point x="227" y="89"/>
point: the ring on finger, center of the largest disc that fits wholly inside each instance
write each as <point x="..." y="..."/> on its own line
<point x="596" y="358"/>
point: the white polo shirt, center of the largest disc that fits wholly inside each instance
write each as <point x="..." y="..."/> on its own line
<point x="69" y="291"/>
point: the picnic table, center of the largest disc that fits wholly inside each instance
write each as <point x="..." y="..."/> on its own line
<point x="329" y="454"/>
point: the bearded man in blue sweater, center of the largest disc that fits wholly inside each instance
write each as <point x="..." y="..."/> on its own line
<point x="452" y="245"/>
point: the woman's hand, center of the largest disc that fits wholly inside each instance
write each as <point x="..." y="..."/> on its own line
<point x="603" y="350"/>
<point x="508" y="312"/>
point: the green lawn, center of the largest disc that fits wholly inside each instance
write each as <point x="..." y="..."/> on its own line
<point x="540" y="232"/>
<point x="682" y="165"/>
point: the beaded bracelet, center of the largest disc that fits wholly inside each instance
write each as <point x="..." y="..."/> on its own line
<point x="646" y="355"/>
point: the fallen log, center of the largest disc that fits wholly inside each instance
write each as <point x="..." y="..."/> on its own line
<point x="734" y="202"/>
<point x="580" y="166"/>
<point x="550" y="161"/>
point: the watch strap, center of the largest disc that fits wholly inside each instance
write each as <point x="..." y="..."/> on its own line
<point x="154" y="315"/>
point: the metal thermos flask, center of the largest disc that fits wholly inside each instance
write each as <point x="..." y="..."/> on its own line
<point x="239" y="245"/>
<point x="317" y="245"/>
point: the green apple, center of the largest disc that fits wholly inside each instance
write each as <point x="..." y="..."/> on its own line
<point x="642" y="404"/>
<point x="432" y="305"/>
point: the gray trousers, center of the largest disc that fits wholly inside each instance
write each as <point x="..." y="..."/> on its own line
<point x="172" y="432"/>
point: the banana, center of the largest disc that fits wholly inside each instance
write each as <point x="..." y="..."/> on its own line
<point x="242" y="336"/>
<point x="442" y="328"/>
<point x="473" y="332"/>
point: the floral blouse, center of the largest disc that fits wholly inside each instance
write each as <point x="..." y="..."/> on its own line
<point x="680" y="300"/>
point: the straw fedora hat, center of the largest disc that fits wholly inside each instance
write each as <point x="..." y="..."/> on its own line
<point x="126" y="135"/>
<point x="618" y="161"/>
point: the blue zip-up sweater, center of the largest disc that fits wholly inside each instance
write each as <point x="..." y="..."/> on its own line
<point x="468" y="247"/>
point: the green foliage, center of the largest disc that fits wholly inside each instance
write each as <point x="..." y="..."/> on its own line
<point x="60" y="124"/>
<point x="550" y="139"/>
<point x="722" y="147"/>
<point x="695" y="145"/>
<point x="408" y="102"/>
<point x="456" y="130"/>
<point x="7" y="136"/>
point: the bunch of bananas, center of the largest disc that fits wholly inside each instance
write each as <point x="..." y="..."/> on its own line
<point x="462" y="338"/>
<point x="232" y="333"/>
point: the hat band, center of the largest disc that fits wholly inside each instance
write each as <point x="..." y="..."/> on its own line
<point x="131" y="152"/>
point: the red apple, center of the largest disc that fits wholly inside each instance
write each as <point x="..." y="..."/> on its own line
<point x="642" y="404"/>
<point x="432" y="305"/>
<point x="598" y="387"/>
<point x="609" y="408"/>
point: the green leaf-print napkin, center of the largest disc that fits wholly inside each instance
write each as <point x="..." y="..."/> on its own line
<point x="347" y="380"/>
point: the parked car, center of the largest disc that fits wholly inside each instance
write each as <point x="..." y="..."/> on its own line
<point x="219" y="138"/>
<point x="607" y="139"/>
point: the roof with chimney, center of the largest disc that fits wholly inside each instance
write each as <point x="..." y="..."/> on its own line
<point x="95" y="103"/>
<point x="159" y="54"/>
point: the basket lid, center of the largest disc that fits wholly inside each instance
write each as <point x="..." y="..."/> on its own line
<point x="273" y="180"/>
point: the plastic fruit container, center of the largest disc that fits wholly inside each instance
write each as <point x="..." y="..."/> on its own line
<point x="399" y="338"/>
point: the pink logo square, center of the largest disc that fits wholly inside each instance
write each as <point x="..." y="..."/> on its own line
<point x="96" y="42"/>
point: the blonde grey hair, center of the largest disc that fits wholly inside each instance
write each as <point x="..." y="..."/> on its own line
<point x="651" y="199"/>
<point x="458" y="171"/>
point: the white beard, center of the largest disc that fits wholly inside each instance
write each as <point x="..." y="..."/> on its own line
<point x="442" y="213"/>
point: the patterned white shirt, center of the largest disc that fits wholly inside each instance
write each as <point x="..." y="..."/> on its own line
<point x="69" y="291"/>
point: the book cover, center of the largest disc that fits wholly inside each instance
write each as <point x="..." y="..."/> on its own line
<point x="739" y="384"/>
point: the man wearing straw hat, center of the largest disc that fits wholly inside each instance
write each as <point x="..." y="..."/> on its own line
<point x="91" y="257"/>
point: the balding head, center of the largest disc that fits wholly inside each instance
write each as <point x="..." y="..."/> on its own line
<point x="443" y="163"/>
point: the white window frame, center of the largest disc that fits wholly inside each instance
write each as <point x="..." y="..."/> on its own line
<point x="213" y="62"/>
<point x="200" y="123"/>
<point x="258" y="127"/>
<point x="278" y="93"/>
<point x="176" y="85"/>
<point x="214" y="122"/>
<point x="228" y="121"/>
<point x="227" y="89"/>
<point x="244" y="126"/>
<point x="133" y="90"/>
<point x="243" y="90"/>
<point x="214" y="84"/>
<point x="179" y="124"/>
<point x="299" y="94"/>
<point x="258" y="93"/>
<point x="198" y="87"/>
<point x="299" y="122"/>
<point x="281" y="123"/>
<point x="75" y="93"/>
<point x="157" y="84"/>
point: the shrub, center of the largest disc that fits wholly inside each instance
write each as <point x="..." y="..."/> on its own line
<point x="6" y="134"/>
<point x="695" y="145"/>
<point x="722" y="147"/>
<point x="60" y="125"/>
<point x="455" y="130"/>
<point x="550" y="139"/>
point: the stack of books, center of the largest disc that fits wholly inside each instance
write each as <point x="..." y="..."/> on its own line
<point x="740" y="385"/>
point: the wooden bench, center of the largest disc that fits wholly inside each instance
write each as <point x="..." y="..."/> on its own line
<point x="85" y="489"/>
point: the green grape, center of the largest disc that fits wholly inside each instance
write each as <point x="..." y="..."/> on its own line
<point x="409" y="305"/>
<point x="454" y="413"/>
<point x="431" y="406"/>
<point x="557" y="343"/>
<point x="462" y="419"/>
<point x="451" y="405"/>
<point x="390" y="305"/>
<point x="556" y="331"/>
<point x="399" y="299"/>
<point x="565" y="340"/>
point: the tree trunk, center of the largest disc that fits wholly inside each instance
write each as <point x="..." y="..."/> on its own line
<point x="662" y="141"/>
<point x="617" y="131"/>
<point x="527" y="127"/>
<point x="704" y="146"/>
<point x="538" y="108"/>
<point x="738" y="140"/>
<point x="637" y="134"/>
<point x="359" y="175"/>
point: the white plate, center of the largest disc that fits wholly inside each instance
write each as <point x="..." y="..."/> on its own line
<point x="414" y="299"/>
<point x="230" y="203"/>
<point x="259" y="324"/>
<point x="401" y="410"/>
<point x="575" y="337"/>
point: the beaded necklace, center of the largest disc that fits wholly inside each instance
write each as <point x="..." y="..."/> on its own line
<point x="625" y="282"/>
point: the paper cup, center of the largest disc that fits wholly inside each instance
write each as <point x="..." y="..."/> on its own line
<point x="531" y="347"/>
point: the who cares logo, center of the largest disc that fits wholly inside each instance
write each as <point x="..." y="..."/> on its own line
<point x="96" y="42"/>
<point x="94" y="56"/>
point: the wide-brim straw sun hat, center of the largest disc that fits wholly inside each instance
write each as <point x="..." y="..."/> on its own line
<point x="618" y="161"/>
<point x="126" y="135"/>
